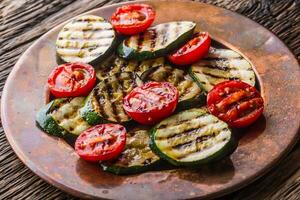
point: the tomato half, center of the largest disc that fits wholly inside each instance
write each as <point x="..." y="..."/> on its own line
<point x="133" y="19"/>
<point x="101" y="142"/>
<point x="151" y="102"/>
<point x="71" y="80"/>
<point x="236" y="103"/>
<point x="192" y="51"/>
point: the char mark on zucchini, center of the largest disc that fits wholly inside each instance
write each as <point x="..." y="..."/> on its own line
<point x="137" y="155"/>
<point x="156" y="41"/>
<point x="85" y="39"/>
<point x="188" y="89"/>
<point x="221" y="65"/>
<point x="192" y="137"/>
<point x="105" y="103"/>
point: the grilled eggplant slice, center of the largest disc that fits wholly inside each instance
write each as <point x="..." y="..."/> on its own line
<point x="157" y="40"/>
<point x="61" y="118"/>
<point x="116" y="64"/>
<point x="192" y="137"/>
<point x="190" y="94"/>
<point x="105" y="102"/>
<point x="222" y="65"/>
<point x="85" y="39"/>
<point x="137" y="155"/>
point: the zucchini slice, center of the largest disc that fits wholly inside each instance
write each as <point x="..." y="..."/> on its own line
<point x="157" y="40"/>
<point x="222" y="65"/>
<point x="190" y="94"/>
<point x="116" y="64"/>
<point x="137" y="155"/>
<point x="105" y="102"/>
<point x="85" y="39"/>
<point x="192" y="137"/>
<point x="61" y="118"/>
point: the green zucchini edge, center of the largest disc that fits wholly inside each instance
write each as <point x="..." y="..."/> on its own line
<point x="225" y="151"/>
<point x="130" y="53"/>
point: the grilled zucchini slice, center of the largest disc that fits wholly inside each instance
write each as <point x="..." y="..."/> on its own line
<point x="137" y="155"/>
<point x="222" y="65"/>
<point x="61" y="118"/>
<point x="116" y="64"/>
<point x="157" y="40"/>
<point x="192" y="137"/>
<point x="105" y="102"/>
<point x="190" y="94"/>
<point x="85" y="39"/>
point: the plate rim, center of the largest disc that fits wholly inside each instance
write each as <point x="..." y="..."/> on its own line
<point x="70" y="190"/>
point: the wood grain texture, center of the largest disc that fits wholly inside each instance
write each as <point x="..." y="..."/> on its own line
<point x="24" y="21"/>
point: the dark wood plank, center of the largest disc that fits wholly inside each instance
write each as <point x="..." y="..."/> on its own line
<point x="23" y="21"/>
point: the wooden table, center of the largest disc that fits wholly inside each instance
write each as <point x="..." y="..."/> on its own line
<point x="24" y="21"/>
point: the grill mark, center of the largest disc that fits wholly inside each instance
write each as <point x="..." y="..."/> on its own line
<point x="109" y="90"/>
<point x="88" y="20"/>
<point x="187" y="89"/>
<point x="165" y="34"/>
<point x="84" y="47"/>
<point x="214" y="76"/>
<point x="153" y="38"/>
<point x="133" y="80"/>
<point x="87" y="38"/>
<point x="188" y="131"/>
<point x="218" y="66"/>
<point x="140" y="42"/>
<point x="176" y="123"/>
<point x="121" y="83"/>
<point x="99" y="98"/>
<point x="197" y="140"/>
<point x="123" y="66"/>
<point x="201" y="140"/>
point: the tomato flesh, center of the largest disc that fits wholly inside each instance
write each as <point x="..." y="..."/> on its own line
<point x="236" y="103"/>
<point x="151" y="102"/>
<point x="71" y="80"/>
<point x="192" y="51"/>
<point x="133" y="19"/>
<point x="101" y="142"/>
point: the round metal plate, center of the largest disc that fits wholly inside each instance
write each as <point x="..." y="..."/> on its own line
<point x="260" y="147"/>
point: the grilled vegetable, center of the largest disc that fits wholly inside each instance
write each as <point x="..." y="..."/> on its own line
<point x="72" y="80"/>
<point x="222" y="65"/>
<point x="192" y="51"/>
<point x="61" y="118"/>
<point x="116" y="64"/>
<point x="236" y="103"/>
<point x="101" y="142"/>
<point x="157" y="41"/>
<point x="190" y="94"/>
<point x="137" y="156"/>
<point x="151" y="102"/>
<point x="86" y="39"/>
<point x="192" y="137"/>
<point x="133" y="19"/>
<point x="104" y="103"/>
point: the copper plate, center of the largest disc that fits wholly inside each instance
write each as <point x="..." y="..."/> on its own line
<point x="262" y="145"/>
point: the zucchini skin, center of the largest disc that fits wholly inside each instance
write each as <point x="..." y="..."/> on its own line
<point x="226" y="150"/>
<point x="46" y="122"/>
<point x="200" y="100"/>
<point x="130" y="53"/>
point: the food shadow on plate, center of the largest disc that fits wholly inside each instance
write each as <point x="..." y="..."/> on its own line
<point x="250" y="133"/>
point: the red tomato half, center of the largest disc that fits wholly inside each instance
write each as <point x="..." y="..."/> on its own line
<point x="101" y="142"/>
<point x="132" y="19"/>
<point x="236" y="103"/>
<point x="71" y="80"/>
<point x="192" y="51"/>
<point x="151" y="102"/>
